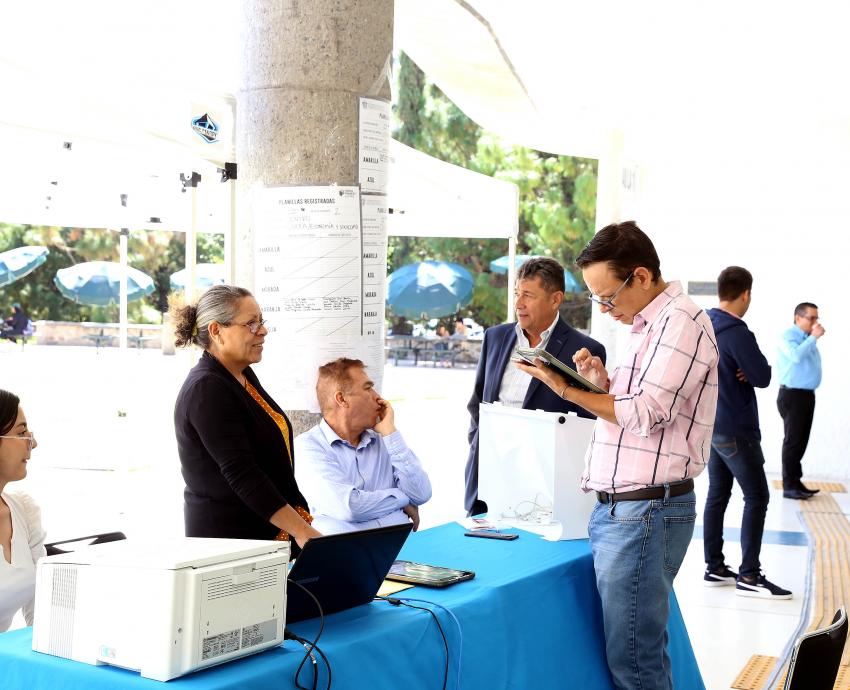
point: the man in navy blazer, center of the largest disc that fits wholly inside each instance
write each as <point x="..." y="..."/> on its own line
<point x="539" y="293"/>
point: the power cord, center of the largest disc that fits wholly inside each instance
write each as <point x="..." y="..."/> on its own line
<point x="405" y="601"/>
<point x="310" y="646"/>
<point x="539" y="512"/>
<point x="306" y="646"/>
<point x="289" y="635"/>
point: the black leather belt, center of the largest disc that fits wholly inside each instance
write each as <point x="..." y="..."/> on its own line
<point x="650" y="493"/>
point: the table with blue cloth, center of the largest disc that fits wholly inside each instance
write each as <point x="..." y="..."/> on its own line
<point x="530" y="618"/>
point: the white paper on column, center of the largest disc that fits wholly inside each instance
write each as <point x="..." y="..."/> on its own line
<point x="308" y="282"/>
<point x="374" y="215"/>
<point x="289" y="369"/>
<point x="373" y="144"/>
<point x="307" y="260"/>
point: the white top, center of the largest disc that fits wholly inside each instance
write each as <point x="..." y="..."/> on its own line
<point x="514" y="380"/>
<point x="17" y="579"/>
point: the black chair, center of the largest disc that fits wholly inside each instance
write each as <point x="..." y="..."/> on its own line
<point x="53" y="549"/>
<point x="817" y="655"/>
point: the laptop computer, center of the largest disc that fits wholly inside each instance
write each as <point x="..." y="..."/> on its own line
<point x="342" y="570"/>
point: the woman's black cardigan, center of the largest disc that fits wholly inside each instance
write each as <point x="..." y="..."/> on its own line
<point x="232" y="454"/>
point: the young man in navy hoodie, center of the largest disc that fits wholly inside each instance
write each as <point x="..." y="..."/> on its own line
<point x="736" y="443"/>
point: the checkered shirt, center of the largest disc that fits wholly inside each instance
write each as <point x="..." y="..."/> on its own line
<point x="665" y="397"/>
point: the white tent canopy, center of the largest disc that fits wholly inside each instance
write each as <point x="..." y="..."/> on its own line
<point x="123" y="88"/>
<point x="61" y="179"/>
<point x="431" y="198"/>
<point x="48" y="183"/>
<point x="114" y="74"/>
<point x="725" y="128"/>
<point x="560" y="76"/>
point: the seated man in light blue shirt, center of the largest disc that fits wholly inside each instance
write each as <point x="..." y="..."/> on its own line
<point x="354" y="467"/>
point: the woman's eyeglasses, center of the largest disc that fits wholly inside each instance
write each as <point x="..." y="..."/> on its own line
<point x="27" y="436"/>
<point x="252" y="326"/>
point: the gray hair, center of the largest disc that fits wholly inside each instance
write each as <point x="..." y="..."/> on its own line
<point x="219" y="303"/>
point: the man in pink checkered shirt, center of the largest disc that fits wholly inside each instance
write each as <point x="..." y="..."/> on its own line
<point x="652" y="436"/>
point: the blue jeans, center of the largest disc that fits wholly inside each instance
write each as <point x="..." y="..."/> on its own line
<point x="735" y="458"/>
<point x="637" y="548"/>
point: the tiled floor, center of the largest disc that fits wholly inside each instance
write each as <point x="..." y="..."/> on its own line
<point x="725" y="629"/>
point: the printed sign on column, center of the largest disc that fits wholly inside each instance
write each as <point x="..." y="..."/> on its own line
<point x="307" y="259"/>
<point x="308" y="282"/>
<point x="374" y="215"/>
<point x="373" y="144"/>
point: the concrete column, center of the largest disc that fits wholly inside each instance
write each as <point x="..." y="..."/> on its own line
<point x="608" y="210"/>
<point x="304" y="63"/>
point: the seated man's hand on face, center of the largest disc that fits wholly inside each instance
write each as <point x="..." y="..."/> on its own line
<point x="386" y="422"/>
<point x="412" y="512"/>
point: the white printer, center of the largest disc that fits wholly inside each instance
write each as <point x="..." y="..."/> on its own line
<point x="163" y="608"/>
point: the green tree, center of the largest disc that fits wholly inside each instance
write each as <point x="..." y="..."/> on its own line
<point x="557" y="195"/>
<point x="158" y="253"/>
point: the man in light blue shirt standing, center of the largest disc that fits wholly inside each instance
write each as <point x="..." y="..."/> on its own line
<point x="354" y="467"/>
<point x="799" y="370"/>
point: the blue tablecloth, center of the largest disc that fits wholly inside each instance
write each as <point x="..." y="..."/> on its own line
<point x="531" y="618"/>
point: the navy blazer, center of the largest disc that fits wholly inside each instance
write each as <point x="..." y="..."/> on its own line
<point x="499" y="344"/>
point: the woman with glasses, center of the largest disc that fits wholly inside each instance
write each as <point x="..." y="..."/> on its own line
<point x="234" y="440"/>
<point x="21" y="535"/>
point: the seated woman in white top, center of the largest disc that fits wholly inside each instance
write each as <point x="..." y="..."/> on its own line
<point x="21" y="536"/>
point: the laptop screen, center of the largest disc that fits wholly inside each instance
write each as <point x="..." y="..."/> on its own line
<point x="342" y="570"/>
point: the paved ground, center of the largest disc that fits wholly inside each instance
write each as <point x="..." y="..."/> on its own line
<point x="107" y="458"/>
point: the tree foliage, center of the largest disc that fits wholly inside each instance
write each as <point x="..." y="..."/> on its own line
<point x="158" y="253"/>
<point x="557" y="195"/>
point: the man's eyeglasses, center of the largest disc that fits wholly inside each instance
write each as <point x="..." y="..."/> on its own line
<point x="809" y="318"/>
<point x="252" y="326"/>
<point x="609" y="301"/>
<point x="27" y="436"/>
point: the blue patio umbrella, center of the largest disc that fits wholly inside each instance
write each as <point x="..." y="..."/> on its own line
<point x="98" y="283"/>
<point x="500" y="265"/>
<point x="16" y="263"/>
<point x="206" y="275"/>
<point x="429" y="289"/>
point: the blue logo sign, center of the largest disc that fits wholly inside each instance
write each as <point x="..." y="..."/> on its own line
<point x="206" y="128"/>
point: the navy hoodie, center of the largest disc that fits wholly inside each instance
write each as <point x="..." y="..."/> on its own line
<point x="737" y="410"/>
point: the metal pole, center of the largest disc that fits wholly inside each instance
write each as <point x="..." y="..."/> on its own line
<point x="228" y="174"/>
<point x="191" y="237"/>
<point x="122" y="308"/>
<point x="512" y="261"/>
<point x="124" y="233"/>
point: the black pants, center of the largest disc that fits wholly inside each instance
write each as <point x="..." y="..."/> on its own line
<point x="797" y="407"/>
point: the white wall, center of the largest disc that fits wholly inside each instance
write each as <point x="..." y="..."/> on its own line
<point x="776" y="203"/>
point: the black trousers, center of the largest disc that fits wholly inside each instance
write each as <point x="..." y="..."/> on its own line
<point x="797" y="407"/>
